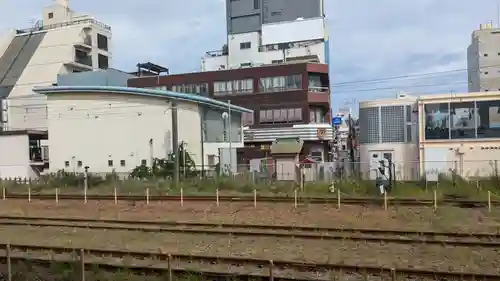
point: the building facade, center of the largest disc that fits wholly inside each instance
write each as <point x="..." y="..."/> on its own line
<point x="483" y="59"/>
<point x="435" y="135"/>
<point x="461" y="133"/>
<point x="289" y="100"/>
<point x="115" y="129"/>
<point x="263" y="32"/>
<point x="63" y="42"/>
<point x="22" y="155"/>
<point x="388" y="130"/>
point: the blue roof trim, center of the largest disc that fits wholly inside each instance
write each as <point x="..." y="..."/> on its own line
<point x="140" y="92"/>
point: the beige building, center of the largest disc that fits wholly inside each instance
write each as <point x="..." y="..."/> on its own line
<point x="483" y="59"/>
<point x="459" y="132"/>
<point x="432" y="135"/>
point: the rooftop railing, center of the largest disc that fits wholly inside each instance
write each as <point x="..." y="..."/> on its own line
<point x="40" y="27"/>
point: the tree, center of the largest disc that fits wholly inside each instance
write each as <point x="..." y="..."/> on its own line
<point x="165" y="167"/>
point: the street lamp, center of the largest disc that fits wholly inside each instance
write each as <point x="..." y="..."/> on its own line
<point x="226" y="116"/>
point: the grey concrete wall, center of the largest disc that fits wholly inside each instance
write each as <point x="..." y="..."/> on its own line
<point x="214" y="127"/>
<point x="108" y="77"/>
<point x="249" y="15"/>
<point x="483" y="59"/>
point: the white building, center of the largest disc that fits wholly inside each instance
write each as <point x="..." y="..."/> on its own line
<point x="271" y="32"/>
<point x="388" y="130"/>
<point x="433" y="135"/>
<point x="63" y="42"/>
<point x="119" y="128"/>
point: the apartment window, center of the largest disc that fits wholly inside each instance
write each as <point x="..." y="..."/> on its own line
<point x="486" y="73"/>
<point x="103" y="61"/>
<point x="66" y="164"/>
<point x="144" y="162"/>
<point x="256" y="4"/>
<point x="122" y="163"/>
<point x="102" y="42"/>
<point x="247" y="119"/>
<point x="316" y="115"/>
<point x="276" y="13"/>
<point x="199" y="89"/>
<point x="485" y="55"/>
<point x="233" y="87"/>
<point x="280" y="83"/>
<point x="110" y="163"/>
<point x="51" y="15"/>
<point x="246" y="64"/>
<point x="211" y="160"/>
<point x="280" y="116"/>
<point x="79" y="164"/>
<point x="245" y="45"/>
<point x="276" y="61"/>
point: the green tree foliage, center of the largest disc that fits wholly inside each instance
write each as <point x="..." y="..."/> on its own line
<point x="165" y="167"/>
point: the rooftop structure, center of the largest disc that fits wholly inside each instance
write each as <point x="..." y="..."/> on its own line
<point x="263" y="32"/>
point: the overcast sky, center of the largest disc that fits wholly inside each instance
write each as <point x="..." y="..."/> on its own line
<point x="369" y="39"/>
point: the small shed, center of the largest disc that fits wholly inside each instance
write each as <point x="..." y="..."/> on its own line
<point x="286" y="152"/>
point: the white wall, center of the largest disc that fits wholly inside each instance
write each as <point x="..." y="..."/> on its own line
<point x="258" y="55"/>
<point x="238" y="56"/>
<point x="14" y="160"/>
<point x="27" y="110"/>
<point x="293" y="31"/>
<point x="95" y="128"/>
<point x="405" y="158"/>
<point x="213" y="63"/>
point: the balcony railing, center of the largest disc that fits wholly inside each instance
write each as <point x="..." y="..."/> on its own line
<point x="39" y="26"/>
<point x="319" y="89"/>
<point x="218" y="53"/>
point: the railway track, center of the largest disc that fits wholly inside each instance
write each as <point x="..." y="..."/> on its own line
<point x="463" y="203"/>
<point x="226" y="266"/>
<point x="485" y="240"/>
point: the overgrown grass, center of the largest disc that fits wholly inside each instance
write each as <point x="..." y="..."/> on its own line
<point x="445" y="187"/>
<point x="65" y="271"/>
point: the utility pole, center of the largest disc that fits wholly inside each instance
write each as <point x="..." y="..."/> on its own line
<point x="351" y="141"/>
<point x="175" y="143"/>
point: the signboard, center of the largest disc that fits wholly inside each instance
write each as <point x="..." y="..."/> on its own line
<point x="337" y="120"/>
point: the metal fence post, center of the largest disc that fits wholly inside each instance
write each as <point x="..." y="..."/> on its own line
<point x="82" y="264"/>
<point x="271" y="272"/>
<point x="8" y="254"/>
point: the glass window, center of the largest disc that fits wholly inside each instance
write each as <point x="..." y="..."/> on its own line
<point x="488" y="119"/>
<point x="463" y="120"/>
<point x="437" y="121"/>
<point x="223" y="87"/>
<point x="298" y="114"/>
<point x="280" y="83"/>
<point x="262" y="115"/>
<point x="291" y="114"/>
<point x="247" y="119"/>
<point x="294" y="82"/>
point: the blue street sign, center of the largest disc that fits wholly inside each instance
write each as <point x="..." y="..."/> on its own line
<point x="337" y="120"/>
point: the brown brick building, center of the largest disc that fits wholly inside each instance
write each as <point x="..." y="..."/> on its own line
<point x="289" y="100"/>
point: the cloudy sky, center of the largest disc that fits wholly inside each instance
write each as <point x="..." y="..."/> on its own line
<point x="370" y="40"/>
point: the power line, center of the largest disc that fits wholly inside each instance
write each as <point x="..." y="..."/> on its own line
<point x="354" y="82"/>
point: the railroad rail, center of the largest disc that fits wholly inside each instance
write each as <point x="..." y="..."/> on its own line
<point x="464" y="203"/>
<point x="178" y="262"/>
<point x="463" y="239"/>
